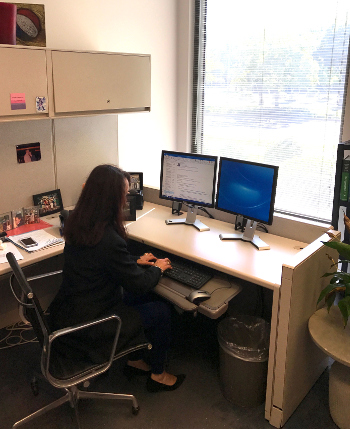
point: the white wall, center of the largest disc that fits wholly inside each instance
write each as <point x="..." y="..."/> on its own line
<point x="135" y="26"/>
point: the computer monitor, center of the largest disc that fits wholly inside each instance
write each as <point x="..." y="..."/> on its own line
<point x="188" y="178"/>
<point x="247" y="189"/>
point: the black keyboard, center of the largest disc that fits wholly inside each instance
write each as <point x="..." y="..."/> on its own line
<point x="189" y="273"/>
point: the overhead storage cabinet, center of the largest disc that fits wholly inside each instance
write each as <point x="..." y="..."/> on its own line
<point x="98" y="81"/>
<point x="23" y="71"/>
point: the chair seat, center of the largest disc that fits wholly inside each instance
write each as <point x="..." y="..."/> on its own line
<point x="65" y="364"/>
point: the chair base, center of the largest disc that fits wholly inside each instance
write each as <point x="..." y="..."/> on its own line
<point x="72" y="396"/>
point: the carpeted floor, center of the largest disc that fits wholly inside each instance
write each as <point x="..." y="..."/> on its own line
<point x="197" y="404"/>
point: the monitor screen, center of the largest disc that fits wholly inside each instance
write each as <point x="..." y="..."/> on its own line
<point x="188" y="177"/>
<point x="247" y="189"/>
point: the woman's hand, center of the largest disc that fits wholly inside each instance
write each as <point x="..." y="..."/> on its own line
<point x="150" y="259"/>
<point x="147" y="259"/>
<point x="163" y="264"/>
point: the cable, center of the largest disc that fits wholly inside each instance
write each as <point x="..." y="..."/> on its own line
<point x="15" y="336"/>
<point x="262" y="227"/>
<point x="200" y="208"/>
<point x="206" y="211"/>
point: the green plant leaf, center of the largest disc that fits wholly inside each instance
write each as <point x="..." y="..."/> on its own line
<point x="330" y="300"/>
<point x="325" y="291"/>
<point x="342" y="248"/>
<point x="344" y="307"/>
<point x="334" y="274"/>
<point x="338" y="276"/>
<point x="341" y="276"/>
<point x="347" y="289"/>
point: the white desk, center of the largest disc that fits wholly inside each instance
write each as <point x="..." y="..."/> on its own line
<point x="34" y="257"/>
<point x="294" y="275"/>
<point x="236" y="258"/>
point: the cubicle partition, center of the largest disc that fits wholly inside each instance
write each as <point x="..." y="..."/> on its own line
<point x="70" y="148"/>
<point x="295" y="362"/>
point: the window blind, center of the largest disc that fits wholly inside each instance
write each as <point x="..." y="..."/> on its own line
<point x="269" y="86"/>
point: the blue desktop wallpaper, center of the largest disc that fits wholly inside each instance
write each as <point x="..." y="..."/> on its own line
<point x="246" y="189"/>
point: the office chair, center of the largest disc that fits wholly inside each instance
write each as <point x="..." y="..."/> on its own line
<point x="57" y="365"/>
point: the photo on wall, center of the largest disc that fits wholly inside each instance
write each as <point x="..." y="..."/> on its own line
<point x="49" y="202"/>
<point x="28" y="152"/>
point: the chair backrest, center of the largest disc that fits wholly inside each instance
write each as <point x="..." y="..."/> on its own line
<point x="28" y="300"/>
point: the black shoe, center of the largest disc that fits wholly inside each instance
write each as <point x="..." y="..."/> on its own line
<point x="154" y="386"/>
<point x="131" y="371"/>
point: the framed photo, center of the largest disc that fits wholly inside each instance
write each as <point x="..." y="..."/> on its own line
<point x="17" y="218"/>
<point x="5" y="222"/>
<point x="31" y="215"/>
<point x="48" y="202"/>
<point x="136" y="182"/>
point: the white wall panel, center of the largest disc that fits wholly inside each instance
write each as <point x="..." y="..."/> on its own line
<point x="19" y="182"/>
<point x="81" y="144"/>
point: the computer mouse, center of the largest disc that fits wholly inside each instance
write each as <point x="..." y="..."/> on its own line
<point x="197" y="296"/>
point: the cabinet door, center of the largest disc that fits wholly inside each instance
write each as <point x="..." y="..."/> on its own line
<point x="86" y="82"/>
<point x="23" y="71"/>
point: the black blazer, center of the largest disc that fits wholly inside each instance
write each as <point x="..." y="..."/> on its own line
<point x="93" y="279"/>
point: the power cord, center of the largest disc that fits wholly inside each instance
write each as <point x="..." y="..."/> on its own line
<point x="15" y="335"/>
<point x="262" y="227"/>
<point x="200" y="208"/>
<point x="206" y="211"/>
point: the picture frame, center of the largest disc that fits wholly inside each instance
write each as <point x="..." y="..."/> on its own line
<point x="49" y="202"/>
<point x="136" y="182"/>
<point x="5" y="222"/>
<point x="31" y="215"/>
<point x="17" y="218"/>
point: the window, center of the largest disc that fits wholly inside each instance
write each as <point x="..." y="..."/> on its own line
<point x="269" y="81"/>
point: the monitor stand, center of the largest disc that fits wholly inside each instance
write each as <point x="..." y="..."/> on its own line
<point x="248" y="235"/>
<point x="191" y="219"/>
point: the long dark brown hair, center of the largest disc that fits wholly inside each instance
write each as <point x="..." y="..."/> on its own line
<point x="100" y="204"/>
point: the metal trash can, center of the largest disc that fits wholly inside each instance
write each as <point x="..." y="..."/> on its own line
<point x="244" y="347"/>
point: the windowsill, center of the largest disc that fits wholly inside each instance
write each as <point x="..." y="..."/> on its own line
<point x="283" y="225"/>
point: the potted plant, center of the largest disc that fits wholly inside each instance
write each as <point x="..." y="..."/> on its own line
<point x="339" y="285"/>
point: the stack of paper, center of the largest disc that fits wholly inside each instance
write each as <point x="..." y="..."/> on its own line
<point x="9" y="247"/>
<point x="43" y="238"/>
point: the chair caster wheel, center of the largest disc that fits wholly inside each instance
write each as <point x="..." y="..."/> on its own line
<point x="135" y="410"/>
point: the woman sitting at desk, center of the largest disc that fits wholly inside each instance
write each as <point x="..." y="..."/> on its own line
<point x="98" y="266"/>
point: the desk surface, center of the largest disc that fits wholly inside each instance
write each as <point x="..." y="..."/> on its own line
<point x="39" y="255"/>
<point x="236" y="258"/>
